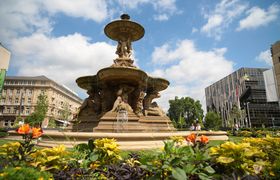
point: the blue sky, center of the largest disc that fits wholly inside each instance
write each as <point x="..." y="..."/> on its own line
<point x="192" y="43"/>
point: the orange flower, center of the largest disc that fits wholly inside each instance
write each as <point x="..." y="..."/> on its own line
<point x="204" y="139"/>
<point x="191" y="138"/>
<point x="24" y="129"/>
<point x="36" y="132"/>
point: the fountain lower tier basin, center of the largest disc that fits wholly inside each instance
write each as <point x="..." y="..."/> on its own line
<point x="127" y="141"/>
<point x="109" y="123"/>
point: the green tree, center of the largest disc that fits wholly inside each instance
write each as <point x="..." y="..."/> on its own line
<point x="41" y="109"/>
<point x="236" y="114"/>
<point x="212" y="120"/>
<point x="185" y="107"/>
<point x="66" y="112"/>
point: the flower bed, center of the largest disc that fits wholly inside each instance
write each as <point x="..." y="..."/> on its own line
<point x="180" y="158"/>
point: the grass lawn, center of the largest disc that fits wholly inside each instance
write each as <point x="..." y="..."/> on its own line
<point x="235" y="139"/>
<point x="4" y="141"/>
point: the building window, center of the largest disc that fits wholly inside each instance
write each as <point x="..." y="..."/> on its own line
<point x="30" y="92"/>
<point x="10" y="92"/>
<point x="22" y="100"/>
<point x="6" y="123"/>
<point x="29" y="100"/>
<point x="18" y="91"/>
<point x="10" y="100"/>
<point x="12" y="122"/>
<point x="27" y="111"/>
<point x="16" y="100"/>
<point x="8" y="110"/>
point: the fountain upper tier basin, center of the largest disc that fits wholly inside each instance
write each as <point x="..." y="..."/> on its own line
<point x="122" y="75"/>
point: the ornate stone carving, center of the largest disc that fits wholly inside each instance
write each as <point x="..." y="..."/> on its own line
<point x="121" y="103"/>
<point x="139" y="103"/>
<point x="124" y="49"/>
<point x="152" y="108"/>
<point x="92" y="104"/>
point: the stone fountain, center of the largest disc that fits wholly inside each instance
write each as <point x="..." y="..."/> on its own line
<point x="120" y="102"/>
<point x="122" y="89"/>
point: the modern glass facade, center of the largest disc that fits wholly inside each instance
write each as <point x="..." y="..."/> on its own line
<point x="244" y="89"/>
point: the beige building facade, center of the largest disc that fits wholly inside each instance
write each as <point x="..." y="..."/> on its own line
<point x="275" y="53"/>
<point x="20" y="94"/>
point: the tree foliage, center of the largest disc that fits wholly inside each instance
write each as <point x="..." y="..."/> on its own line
<point x="41" y="109"/>
<point x="185" y="107"/>
<point x="66" y="112"/>
<point x="236" y="114"/>
<point x="212" y="120"/>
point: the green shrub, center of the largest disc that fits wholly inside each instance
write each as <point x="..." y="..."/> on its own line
<point x="245" y="133"/>
<point x="180" y="162"/>
<point x="257" y="157"/>
<point x="3" y="134"/>
<point x="24" y="173"/>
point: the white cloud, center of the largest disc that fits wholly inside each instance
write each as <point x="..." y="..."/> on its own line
<point x="94" y="10"/>
<point x="258" y="17"/>
<point x="161" y="17"/>
<point x="265" y="56"/>
<point x="194" y="30"/>
<point x="220" y="18"/>
<point x="62" y="59"/>
<point x="21" y="18"/>
<point x="213" y="21"/>
<point x="164" y="8"/>
<point x="189" y="70"/>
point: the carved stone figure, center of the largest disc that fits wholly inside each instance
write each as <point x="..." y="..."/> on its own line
<point x="149" y="98"/>
<point x="154" y="110"/>
<point x="121" y="103"/>
<point x="124" y="49"/>
<point x="91" y="105"/>
<point x="139" y="104"/>
<point x="150" y="108"/>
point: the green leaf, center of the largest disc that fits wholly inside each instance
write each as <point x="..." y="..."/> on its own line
<point x="93" y="157"/>
<point x="189" y="168"/>
<point x="203" y="176"/>
<point x="209" y="169"/>
<point x="224" y="160"/>
<point x="179" y="174"/>
<point x="175" y="161"/>
<point x="90" y="144"/>
<point x="81" y="147"/>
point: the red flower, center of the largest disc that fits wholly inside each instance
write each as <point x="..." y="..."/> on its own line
<point x="36" y="132"/>
<point x="191" y="138"/>
<point x="204" y="139"/>
<point x="24" y="129"/>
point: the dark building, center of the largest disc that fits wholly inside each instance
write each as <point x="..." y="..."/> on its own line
<point x="244" y="89"/>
